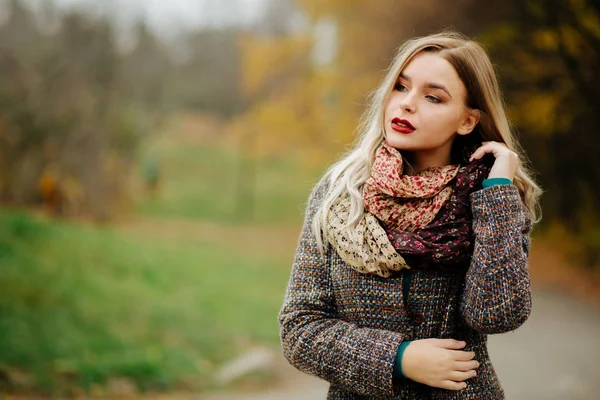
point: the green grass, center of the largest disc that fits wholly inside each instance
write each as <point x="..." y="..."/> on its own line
<point x="81" y="305"/>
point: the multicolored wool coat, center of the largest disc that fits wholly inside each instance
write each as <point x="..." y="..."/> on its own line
<point x="345" y="327"/>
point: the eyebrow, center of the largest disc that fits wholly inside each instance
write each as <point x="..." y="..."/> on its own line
<point x="429" y="84"/>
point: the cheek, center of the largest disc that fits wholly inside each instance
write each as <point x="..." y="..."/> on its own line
<point x="444" y="117"/>
<point x="390" y="105"/>
<point x="386" y="110"/>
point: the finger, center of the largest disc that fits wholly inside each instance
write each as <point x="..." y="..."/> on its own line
<point x="458" y="355"/>
<point x="459" y="376"/>
<point x="466" y="365"/>
<point x="480" y="152"/>
<point x="451" y="385"/>
<point x="494" y="142"/>
<point x="494" y="148"/>
<point x="450" y="344"/>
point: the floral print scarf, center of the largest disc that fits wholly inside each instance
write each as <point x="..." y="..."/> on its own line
<point x="420" y="221"/>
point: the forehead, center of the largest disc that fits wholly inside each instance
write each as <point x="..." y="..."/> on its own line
<point x="427" y="68"/>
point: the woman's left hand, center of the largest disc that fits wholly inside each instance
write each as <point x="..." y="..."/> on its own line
<point x="506" y="162"/>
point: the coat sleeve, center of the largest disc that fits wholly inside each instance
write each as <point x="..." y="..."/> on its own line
<point x="316" y="341"/>
<point x="497" y="294"/>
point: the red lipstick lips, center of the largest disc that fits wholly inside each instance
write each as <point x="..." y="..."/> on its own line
<point x="402" y="126"/>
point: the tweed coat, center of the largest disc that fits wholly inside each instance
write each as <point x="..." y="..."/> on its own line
<point x="345" y="327"/>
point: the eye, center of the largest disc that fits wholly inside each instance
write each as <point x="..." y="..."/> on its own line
<point x="400" y="87"/>
<point x="433" y="99"/>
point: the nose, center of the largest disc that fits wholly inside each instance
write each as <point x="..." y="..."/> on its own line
<point x="408" y="103"/>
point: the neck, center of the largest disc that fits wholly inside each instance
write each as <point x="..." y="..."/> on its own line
<point x="422" y="160"/>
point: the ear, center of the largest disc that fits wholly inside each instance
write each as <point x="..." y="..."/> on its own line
<point x="470" y="121"/>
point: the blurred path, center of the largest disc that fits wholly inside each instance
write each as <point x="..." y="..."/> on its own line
<point x="555" y="355"/>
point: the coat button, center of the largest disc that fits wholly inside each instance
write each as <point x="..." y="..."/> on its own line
<point x="417" y="319"/>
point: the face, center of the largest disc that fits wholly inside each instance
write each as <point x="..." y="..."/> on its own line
<point x="427" y="109"/>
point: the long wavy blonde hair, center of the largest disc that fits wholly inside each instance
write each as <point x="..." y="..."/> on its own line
<point x="474" y="68"/>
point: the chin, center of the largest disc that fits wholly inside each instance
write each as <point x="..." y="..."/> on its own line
<point x="396" y="141"/>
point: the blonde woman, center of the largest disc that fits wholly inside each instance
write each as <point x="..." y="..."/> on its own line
<point x="415" y="243"/>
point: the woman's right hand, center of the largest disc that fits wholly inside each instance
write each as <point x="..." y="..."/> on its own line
<point x="439" y="363"/>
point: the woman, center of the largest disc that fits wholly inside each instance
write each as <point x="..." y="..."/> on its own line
<point x="415" y="243"/>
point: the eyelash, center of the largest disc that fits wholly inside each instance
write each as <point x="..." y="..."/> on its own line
<point x="398" y="86"/>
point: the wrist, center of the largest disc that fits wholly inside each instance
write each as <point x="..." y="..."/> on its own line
<point x="503" y="168"/>
<point x="501" y="174"/>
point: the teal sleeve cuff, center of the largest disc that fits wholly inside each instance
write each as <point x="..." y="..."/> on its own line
<point x="496" y="181"/>
<point x="398" y="360"/>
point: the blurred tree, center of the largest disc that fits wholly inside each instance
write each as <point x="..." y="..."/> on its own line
<point x="208" y="79"/>
<point x="19" y="30"/>
<point x="145" y="71"/>
<point x="549" y="61"/>
<point x="277" y="103"/>
<point x="17" y="99"/>
<point x="273" y="120"/>
<point x="69" y="127"/>
<point x="91" y="78"/>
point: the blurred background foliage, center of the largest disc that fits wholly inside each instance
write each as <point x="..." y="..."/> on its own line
<point x="152" y="187"/>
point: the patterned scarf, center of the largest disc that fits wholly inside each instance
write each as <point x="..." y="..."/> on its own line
<point x="420" y="221"/>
